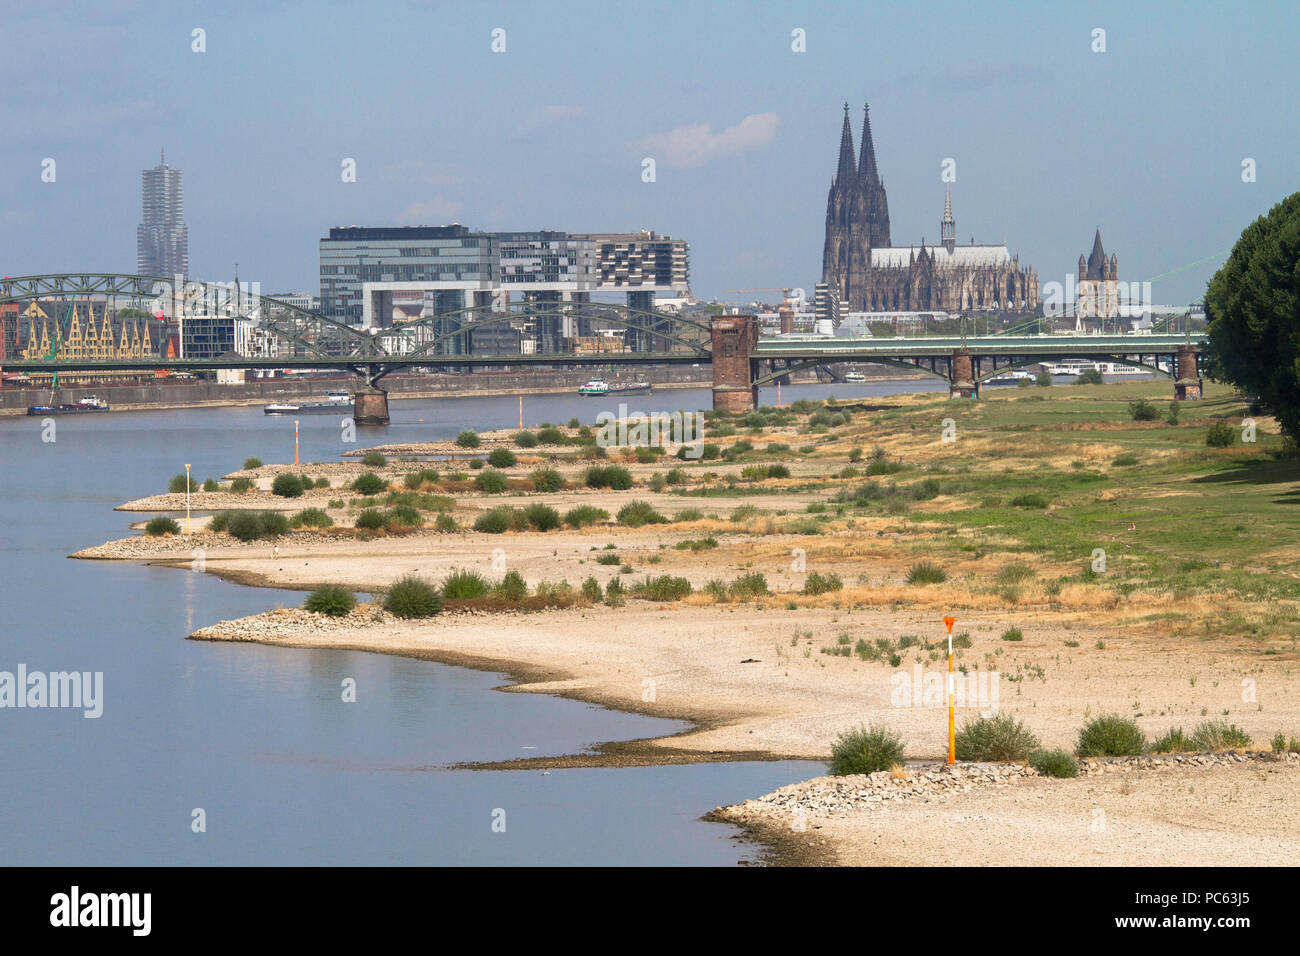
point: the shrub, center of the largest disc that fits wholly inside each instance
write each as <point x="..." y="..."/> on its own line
<point x="1054" y="763"/>
<point x="371" y="519"/>
<point x="1043" y="379"/>
<point x="995" y="738"/>
<point x="547" y="479"/>
<point x="161" y="525"/>
<point x="1173" y="741"/>
<point x="406" y="516"/>
<point x="1111" y="735"/>
<point x="211" y="485"/>
<point x="752" y="584"/>
<point x="608" y="476"/>
<point x="666" y="587"/>
<point x="322" y="482"/>
<point x="817" y="583"/>
<point x="331" y="599"/>
<point x="501" y="458"/>
<point x="373" y="459"/>
<point x="866" y="750"/>
<point x="591" y="590"/>
<point x="467" y="439"/>
<point x="855" y="455"/>
<point x="369" y="484"/>
<point x="542" y="517"/>
<point x="926" y="572"/>
<point x="1013" y="634"/>
<point x="496" y="521"/>
<point x="241" y="485"/>
<point x="179" y="483"/>
<point x="475" y="464"/>
<point x="490" y="482"/>
<point x="1090" y="376"/>
<point x="1220" y="435"/>
<point x="634" y="514"/>
<point x="512" y="587"/>
<point x="1219" y="735"/>
<point x="525" y="439"/>
<point x="1029" y="501"/>
<point x="311" y="518"/>
<point x="252" y="462"/>
<point x="287" y="486"/>
<point x="609" y="557"/>
<point x="1128" y="458"/>
<point x="1143" y="411"/>
<point x="584" y="515"/>
<point x="645" y="454"/>
<point x="464" y="586"/>
<point x="551" y="436"/>
<point x="689" y="514"/>
<point x="412" y="597"/>
<point x="413" y="480"/>
<point x="445" y="523"/>
<point x="250" y="525"/>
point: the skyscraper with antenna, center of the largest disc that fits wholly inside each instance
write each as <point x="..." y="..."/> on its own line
<point x="162" y="244"/>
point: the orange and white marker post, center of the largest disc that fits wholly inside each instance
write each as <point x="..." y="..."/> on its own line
<point x="295" y="441"/>
<point x="521" y="413"/>
<point x="952" y="724"/>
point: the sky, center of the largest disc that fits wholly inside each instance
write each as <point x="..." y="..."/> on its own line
<point x="1051" y="138"/>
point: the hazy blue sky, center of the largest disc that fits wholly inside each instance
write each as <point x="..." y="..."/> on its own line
<point x="1050" y="139"/>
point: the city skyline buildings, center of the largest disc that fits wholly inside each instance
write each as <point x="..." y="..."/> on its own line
<point x="162" y="244"/>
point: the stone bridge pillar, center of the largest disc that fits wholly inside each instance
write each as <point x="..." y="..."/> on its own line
<point x="1187" y="387"/>
<point x="961" y="377"/>
<point x="370" y="407"/>
<point x="734" y="338"/>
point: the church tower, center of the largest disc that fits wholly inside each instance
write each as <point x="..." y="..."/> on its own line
<point x="948" y="226"/>
<point x="840" y="215"/>
<point x="872" y="189"/>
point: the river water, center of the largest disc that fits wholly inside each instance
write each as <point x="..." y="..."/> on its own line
<point x="257" y="738"/>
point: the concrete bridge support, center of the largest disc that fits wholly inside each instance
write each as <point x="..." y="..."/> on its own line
<point x="734" y="338"/>
<point x="370" y="407"/>
<point x="961" y="376"/>
<point x="1187" y="387"/>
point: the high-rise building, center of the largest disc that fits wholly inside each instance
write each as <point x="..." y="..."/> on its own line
<point x="162" y="244"/>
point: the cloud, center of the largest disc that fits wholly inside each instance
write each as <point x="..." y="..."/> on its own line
<point x="544" y="116"/>
<point x="424" y="213"/>
<point x="696" y="144"/>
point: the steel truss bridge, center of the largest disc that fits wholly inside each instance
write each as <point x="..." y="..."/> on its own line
<point x="285" y="336"/>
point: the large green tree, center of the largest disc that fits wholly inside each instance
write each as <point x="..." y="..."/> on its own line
<point x="1253" y="308"/>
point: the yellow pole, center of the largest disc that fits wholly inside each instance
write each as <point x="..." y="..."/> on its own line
<point x="187" y="499"/>
<point x="295" y="441"/>
<point x="521" y="413"/>
<point x="952" y="726"/>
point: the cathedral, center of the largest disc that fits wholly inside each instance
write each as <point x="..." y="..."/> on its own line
<point x="867" y="273"/>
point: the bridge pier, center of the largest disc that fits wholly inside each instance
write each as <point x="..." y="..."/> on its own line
<point x="734" y="338"/>
<point x="961" y="376"/>
<point x="370" y="407"/>
<point x="1187" y="387"/>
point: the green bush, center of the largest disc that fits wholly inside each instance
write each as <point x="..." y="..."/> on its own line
<point x="1220" y="435"/>
<point x="512" y="587"/>
<point x="371" y="519"/>
<point x="251" y="462"/>
<point x="1111" y="735"/>
<point x="818" y="583"/>
<point x="1143" y="411"/>
<point x="501" y="458"/>
<point x="161" y="525"/>
<point x="445" y="523"/>
<point x="241" y="485"/>
<point x="331" y="599"/>
<point x="467" y="439"/>
<point x="1029" y="501"/>
<point x="414" y="480"/>
<point x="525" y="439"/>
<point x="250" y="525"/>
<point x="634" y="514"/>
<point x="1013" y="634"/>
<point x="1124" y="460"/>
<point x="1043" y="379"/>
<point x="322" y="482"/>
<point x="666" y="587"/>
<point x="465" y="586"/>
<point x="689" y="514"/>
<point x="866" y="750"/>
<point x="1090" y="376"/>
<point x="373" y="459"/>
<point x="591" y="590"/>
<point x="411" y="597"/>
<point x="1219" y="735"/>
<point x="1173" y="741"/>
<point x="752" y="584"/>
<point x="547" y="480"/>
<point x="542" y="517"/>
<point x="475" y="464"/>
<point x="211" y="485"/>
<point x="608" y="476"/>
<point x="405" y="516"/>
<point x="490" y="482"/>
<point x="287" y="486"/>
<point x="1054" y="763"/>
<point x="551" y="436"/>
<point x="496" y="521"/>
<point x="926" y="572"/>
<point x="987" y="739"/>
<point x="583" y="515"/>
<point x="179" y="483"/>
<point x="369" y="484"/>
<point x="311" y="518"/>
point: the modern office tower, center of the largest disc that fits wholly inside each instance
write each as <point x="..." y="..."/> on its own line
<point x="162" y="244"/>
